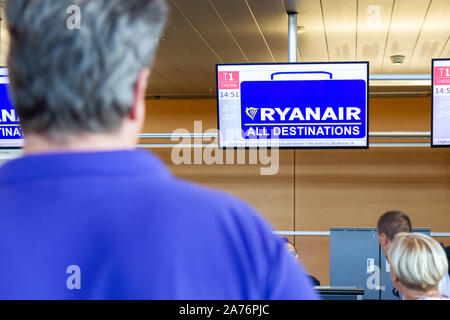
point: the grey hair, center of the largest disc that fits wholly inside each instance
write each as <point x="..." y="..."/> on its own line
<point x="78" y="81"/>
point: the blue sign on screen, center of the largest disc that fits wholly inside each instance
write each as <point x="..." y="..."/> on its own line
<point x="304" y="109"/>
<point x="9" y="120"/>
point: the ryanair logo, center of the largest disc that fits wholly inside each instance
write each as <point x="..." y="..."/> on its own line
<point x="251" y="112"/>
<point x="305" y="114"/>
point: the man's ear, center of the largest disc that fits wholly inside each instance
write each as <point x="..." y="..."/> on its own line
<point x="140" y="89"/>
<point x="384" y="239"/>
<point x="395" y="280"/>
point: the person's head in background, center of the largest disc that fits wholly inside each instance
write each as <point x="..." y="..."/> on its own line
<point x="418" y="263"/>
<point x="294" y="254"/>
<point x="292" y="249"/>
<point x="389" y="225"/>
<point x="82" y="89"/>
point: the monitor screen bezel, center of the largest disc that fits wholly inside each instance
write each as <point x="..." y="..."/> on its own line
<point x="366" y="147"/>
<point x="13" y="147"/>
<point x="437" y="146"/>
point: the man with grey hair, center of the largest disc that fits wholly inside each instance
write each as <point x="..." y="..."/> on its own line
<point x="83" y="214"/>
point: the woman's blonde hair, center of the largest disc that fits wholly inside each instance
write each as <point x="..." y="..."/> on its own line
<point x="418" y="261"/>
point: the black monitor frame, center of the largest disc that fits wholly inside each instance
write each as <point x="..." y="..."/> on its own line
<point x="295" y="147"/>
<point x="9" y="148"/>
<point x="432" y="105"/>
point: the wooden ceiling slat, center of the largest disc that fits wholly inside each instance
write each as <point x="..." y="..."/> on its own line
<point x="433" y="37"/>
<point x="240" y="22"/>
<point x="181" y="32"/>
<point x="374" y="17"/>
<point x="446" y="51"/>
<point x="152" y="90"/>
<point x="205" y="19"/>
<point x="202" y="33"/>
<point x="181" y="51"/>
<point x="312" y="44"/>
<point x="174" y="74"/>
<point x="273" y="20"/>
<point x="406" y="23"/>
<point x="160" y="81"/>
<point x="186" y="65"/>
<point x="186" y="51"/>
<point x="340" y="26"/>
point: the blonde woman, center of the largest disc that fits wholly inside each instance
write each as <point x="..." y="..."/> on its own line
<point x="418" y="263"/>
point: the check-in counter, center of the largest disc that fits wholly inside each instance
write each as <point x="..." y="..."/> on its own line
<point x="340" y="293"/>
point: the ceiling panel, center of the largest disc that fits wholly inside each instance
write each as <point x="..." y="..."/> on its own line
<point x="184" y="49"/>
<point x="312" y="44"/>
<point x="159" y="81"/>
<point x="151" y="89"/>
<point x="273" y="21"/>
<point x="340" y="26"/>
<point x="185" y="63"/>
<point x="173" y="74"/>
<point x="239" y="20"/>
<point x="446" y="51"/>
<point x="374" y="17"/>
<point x="181" y="31"/>
<point x="187" y="51"/>
<point x="433" y="37"/>
<point x="204" y="17"/>
<point x="407" y="20"/>
<point x="201" y="33"/>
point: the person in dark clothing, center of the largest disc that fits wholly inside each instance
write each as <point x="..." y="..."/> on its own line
<point x="294" y="254"/>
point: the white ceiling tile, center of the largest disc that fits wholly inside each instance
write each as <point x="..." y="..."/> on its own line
<point x="215" y="32"/>
<point x="272" y="19"/>
<point x="312" y="44"/>
<point x="433" y="37"/>
<point x="240" y="22"/>
<point x="407" y="20"/>
<point x="374" y="17"/>
<point x="340" y="27"/>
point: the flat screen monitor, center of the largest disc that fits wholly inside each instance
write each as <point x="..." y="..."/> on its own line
<point x="7" y="154"/>
<point x="293" y="105"/>
<point x="11" y="135"/>
<point x="440" y="127"/>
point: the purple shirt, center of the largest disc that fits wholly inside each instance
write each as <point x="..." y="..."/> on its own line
<point x="118" y="225"/>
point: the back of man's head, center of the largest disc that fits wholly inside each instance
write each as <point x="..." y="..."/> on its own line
<point x="69" y="79"/>
<point x="392" y="223"/>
